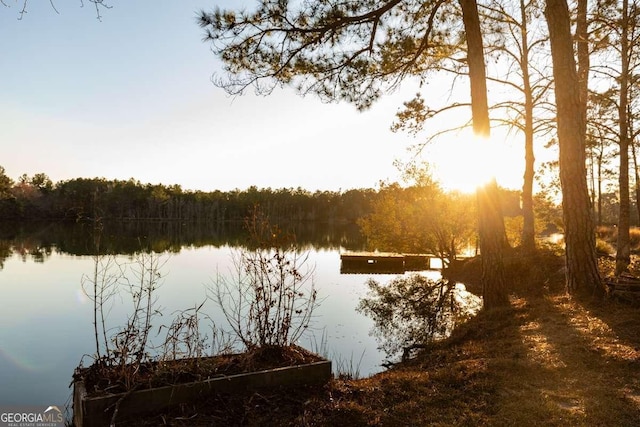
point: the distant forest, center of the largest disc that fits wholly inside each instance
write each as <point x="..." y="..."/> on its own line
<point x="89" y="199"/>
<point x="39" y="198"/>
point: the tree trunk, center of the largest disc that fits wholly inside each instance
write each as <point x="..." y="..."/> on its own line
<point x="580" y="255"/>
<point x="636" y="171"/>
<point x="623" y="257"/>
<point x="600" y="178"/>
<point x="592" y="181"/>
<point x="528" y="226"/>
<point x="491" y="221"/>
<point x="582" y="51"/>
<point x="477" y="72"/>
<point x="492" y="244"/>
<point x="582" y="48"/>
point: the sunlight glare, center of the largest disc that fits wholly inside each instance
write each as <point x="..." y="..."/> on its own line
<point x="463" y="161"/>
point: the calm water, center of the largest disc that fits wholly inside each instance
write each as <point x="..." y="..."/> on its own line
<point x="47" y="319"/>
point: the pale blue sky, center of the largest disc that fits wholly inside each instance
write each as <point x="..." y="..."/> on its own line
<point x="131" y="96"/>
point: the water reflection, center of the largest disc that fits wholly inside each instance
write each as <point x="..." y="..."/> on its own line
<point x="412" y="311"/>
<point x="37" y="241"/>
<point x="47" y="318"/>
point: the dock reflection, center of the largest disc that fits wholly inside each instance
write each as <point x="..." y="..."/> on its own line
<point x="387" y="263"/>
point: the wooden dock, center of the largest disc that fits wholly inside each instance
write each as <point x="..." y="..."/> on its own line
<point x="387" y="262"/>
<point x="626" y="286"/>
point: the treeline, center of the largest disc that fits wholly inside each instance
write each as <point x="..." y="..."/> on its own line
<point x="90" y="198"/>
<point x="37" y="240"/>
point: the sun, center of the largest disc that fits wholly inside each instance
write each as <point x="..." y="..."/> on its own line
<point x="463" y="161"/>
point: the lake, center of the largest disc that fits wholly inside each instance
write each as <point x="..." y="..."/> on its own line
<point x="47" y="317"/>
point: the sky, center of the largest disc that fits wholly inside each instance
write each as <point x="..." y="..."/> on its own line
<point x="131" y="96"/>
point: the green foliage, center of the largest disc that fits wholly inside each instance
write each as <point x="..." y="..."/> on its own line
<point x="547" y="217"/>
<point x="420" y="218"/>
<point x="513" y="228"/>
<point x="6" y="184"/>
<point x="42" y="182"/>
<point x="91" y="198"/>
<point x="352" y="50"/>
<point x="548" y="214"/>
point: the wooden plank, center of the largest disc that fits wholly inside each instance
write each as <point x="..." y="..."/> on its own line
<point x="626" y="288"/>
<point x="383" y="255"/>
<point x="370" y="255"/>
<point x="97" y="411"/>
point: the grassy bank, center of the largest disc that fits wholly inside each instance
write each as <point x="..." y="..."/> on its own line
<point x="547" y="360"/>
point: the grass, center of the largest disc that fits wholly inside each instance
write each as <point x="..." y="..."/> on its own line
<point x="547" y="360"/>
<point x="609" y="234"/>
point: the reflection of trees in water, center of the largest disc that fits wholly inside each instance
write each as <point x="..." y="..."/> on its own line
<point x="411" y="311"/>
<point x="5" y="252"/>
<point x="30" y="246"/>
<point x="36" y="241"/>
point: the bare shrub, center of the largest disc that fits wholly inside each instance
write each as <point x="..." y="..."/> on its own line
<point x="184" y="338"/>
<point x="100" y="287"/>
<point x="131" y="343"/>
<point x="269" y="298"/>
<point x="120" y="353"/>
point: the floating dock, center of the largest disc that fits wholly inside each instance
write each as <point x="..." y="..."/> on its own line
<point x="387" y="262"/>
